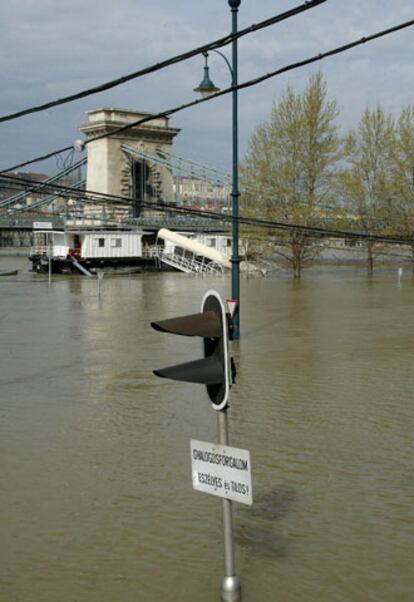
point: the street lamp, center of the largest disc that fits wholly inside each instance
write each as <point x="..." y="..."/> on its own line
<point x="206" y="88"/>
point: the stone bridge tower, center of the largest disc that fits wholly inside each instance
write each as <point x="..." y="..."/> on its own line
<point x="112" y="170"/>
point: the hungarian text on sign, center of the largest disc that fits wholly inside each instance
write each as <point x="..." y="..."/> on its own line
<point x="222" y="470"/>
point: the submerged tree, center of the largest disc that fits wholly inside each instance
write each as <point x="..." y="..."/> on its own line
<point x="367" y="181"/>
<point x="403" y="177"/>
<point x="288" y="170"/>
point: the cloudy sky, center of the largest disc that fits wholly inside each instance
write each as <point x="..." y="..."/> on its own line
<point x="53" y="48"/>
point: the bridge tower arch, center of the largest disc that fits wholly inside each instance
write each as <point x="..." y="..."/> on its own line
<point x="113" y="171"/>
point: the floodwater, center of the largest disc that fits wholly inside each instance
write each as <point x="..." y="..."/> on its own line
<point x="96" y="501"/>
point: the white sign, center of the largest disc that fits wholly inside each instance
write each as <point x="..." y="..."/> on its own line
<point x="42" y="226"/>
<point x="222" y="470"/>
<point x="232" y="307"/>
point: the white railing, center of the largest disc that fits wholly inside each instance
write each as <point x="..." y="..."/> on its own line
<point x="46" y="250"/>
<point x="184" y="263"/>
<point x="41" y="250"/>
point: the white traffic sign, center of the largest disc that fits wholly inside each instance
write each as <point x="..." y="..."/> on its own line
<point x="222" y="470"/>
<point x="232" y="305"/>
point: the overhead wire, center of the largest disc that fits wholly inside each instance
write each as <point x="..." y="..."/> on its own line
<point x="242" y="86"/>
<point x="219" y="43"/>
<point x="316" y="231"/>
<point x="381" y="252"/>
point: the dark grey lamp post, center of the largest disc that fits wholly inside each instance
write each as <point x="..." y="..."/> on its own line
<point x="230" y="587"/>
<point x="206" y="88"/>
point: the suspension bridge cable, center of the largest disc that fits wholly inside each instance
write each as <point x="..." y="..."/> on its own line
<point x="316" y="231"/>
<point x="243" y="85"/>
<point x="224" y="41"/>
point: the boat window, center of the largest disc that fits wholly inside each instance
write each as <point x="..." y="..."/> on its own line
<point x="117" y="242"/>
<point x="101" y="242"/>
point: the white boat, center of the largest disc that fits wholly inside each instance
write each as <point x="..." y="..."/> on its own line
<point x="75" y="251"/>
<point x="87" y="251"/>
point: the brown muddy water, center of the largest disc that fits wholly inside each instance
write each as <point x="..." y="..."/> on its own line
<point x="96" y="501"/>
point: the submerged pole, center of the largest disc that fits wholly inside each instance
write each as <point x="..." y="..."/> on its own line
<point x="100" y="275"/>
<point x="50" y="264"/>
<point x="235" y="194"/>
<point x="230" y="587"/>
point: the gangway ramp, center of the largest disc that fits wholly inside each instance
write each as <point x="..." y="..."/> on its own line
<point x="194" y="256"/>
<point x="81" y="268"/>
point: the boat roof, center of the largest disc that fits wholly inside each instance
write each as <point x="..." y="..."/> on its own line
<point x="93" y="232"/>
<point x="97" y="232"/>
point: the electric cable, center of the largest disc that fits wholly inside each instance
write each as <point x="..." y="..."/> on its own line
<point x="19" y="182"/>
<point x="379" y="253"/>
<point x="242" y="86"/>
<point x="316" y="231"/>
<point x="224" y="41"/>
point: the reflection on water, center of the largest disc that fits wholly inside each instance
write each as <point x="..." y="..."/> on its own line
<point x="96" y="499"/>
<point x="257" y="528"/>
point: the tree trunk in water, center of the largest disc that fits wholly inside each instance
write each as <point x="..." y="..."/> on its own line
<point x="412" y="256"/>
<point x="296" y="257"/>
<point x="296" y="263"/>
<point x="370" y="259"/>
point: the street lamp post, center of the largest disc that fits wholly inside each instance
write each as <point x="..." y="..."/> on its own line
<point x="235" y="258"/>
<point x="230" y="587"/>
<point x="206" y="88"/>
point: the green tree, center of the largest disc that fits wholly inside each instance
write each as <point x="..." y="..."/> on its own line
<point x="367" y="181"/>
<point x="403" y="177"/>
<point x="288" y="170"/>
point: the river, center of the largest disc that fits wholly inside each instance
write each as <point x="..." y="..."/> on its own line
<point x="96" y="501"/>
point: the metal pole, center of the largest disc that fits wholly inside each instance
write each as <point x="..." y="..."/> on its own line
<point x="230" y="587"/>
<point x="50" y="262"/>
<point x="100" y="275"/>
<point x="235" y="258"/>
